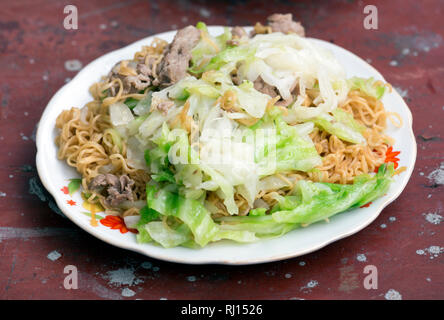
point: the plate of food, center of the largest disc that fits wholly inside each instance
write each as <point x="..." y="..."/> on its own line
<point x="229" y="145"/>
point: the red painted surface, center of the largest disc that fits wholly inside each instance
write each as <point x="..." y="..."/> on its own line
<point x="33" y="49"/>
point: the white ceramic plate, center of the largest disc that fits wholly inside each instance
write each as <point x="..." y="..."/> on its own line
<point x="55" y="174"/>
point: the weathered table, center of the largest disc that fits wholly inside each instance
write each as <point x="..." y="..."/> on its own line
<point x="405" y="243"/>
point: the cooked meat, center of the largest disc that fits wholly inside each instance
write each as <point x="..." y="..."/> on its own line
<point x="177" y="56"/>
<point x="236" y="79"/>
<point x="143" y="69"/>
<point x="116" y="189"/>
<point x="284" y="23"/>
<point x="139" y="80"/>
<point x="164" y="106"/>
<point x="279" y="23"/>
<point x="262" y="86"/>
<point x="238" y="32"/>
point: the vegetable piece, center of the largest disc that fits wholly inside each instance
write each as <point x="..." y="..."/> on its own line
<point x="74" y="185"/>
<point x="115" y="135"/>
<point x="291" y="150"/>
<point x="251" y="100"/>
<point x="262" y="226"/>
<point x="258" y="212"/>
<point x="131" y="102"/>
<point x="347" y="119"/>
<point x="207" y="47"/>
<point x="143" y="106"/>
<point x="229" y="55"/>
<point x="167" y="236"/>
<point x="371" y="87"/>
<point x="157" y="158"/>
<point x="340" y="129"/>
<point x="146" y="215"/>
<point x="120" y="114"/>
<point x="191" y="212"/>
<point x="133" y="126"/>
<point x="323" y="203"/>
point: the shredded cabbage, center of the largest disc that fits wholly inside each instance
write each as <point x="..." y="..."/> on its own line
<point x="212" y="133"/>
<point x="370" y="86"/>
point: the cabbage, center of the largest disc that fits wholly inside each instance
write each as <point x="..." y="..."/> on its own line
<point x="261" y="226"/>
<point x="235" y="235"/>
<point x="120" y="114"/>
<point x="154" y="121"/>
<point x="251" y="100"/>
<point x="151" y="124"/>
<point x="219" y="153"/>
<point x="229" y="55"/>
<point x="135" y="154"/>
<point x="143" y="106"/>
<point x="289" y="151"/>
<point x="157" y="159"/>
<point x="313" y="202"/>
<point x="341" y="130"/>
<point x="191" y="85"/>
<point x="146" y="215"/>
<point x="284" y="61"/>
<point x="191" y="212"/>
<point x="347" y="119"/>
<point x="370" y="86"/>
<point x="207" y="47"/>
<point x="220" y="76"/>
<point x="133" y="126"/>
<point x="115" y="136"/>
<point x="322" y="200"/>
<point x="131" y="221"/>
<point x="228" y="160"/>
<point x="167" y="236"/>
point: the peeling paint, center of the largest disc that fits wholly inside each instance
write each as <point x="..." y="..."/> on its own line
<point x="392" y="294"/>
<point x="88" y="282"/>
<point x="361" y="257"/>
<point x="433" y="218"/>
<point x="433" y="251"/>
<point x="128" y="293"/>
<point x="73" y="65"/>
<point x="437" y="176"/>
<point x="53" y="255"/>
<point x="122" y="276"/>
<point x="310" y="285"/>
